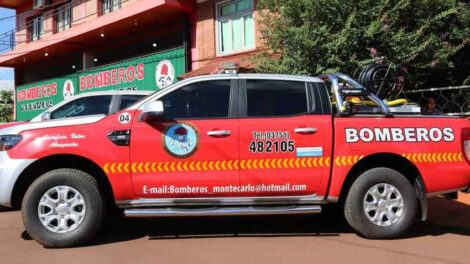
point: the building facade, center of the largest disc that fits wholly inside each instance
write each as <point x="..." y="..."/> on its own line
<point x="61" y="48"/>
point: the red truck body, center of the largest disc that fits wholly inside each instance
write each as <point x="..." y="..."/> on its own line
<point x="311" y="158"/>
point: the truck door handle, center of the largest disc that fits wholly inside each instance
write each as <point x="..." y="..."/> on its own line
<point x="219" y="133"/>
<point x="307" y="130"/>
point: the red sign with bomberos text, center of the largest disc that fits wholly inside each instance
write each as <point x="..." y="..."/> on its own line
<point x="112" y="77"/>
<point x="36" y="92"/>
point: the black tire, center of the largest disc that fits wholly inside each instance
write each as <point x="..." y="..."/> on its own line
<point x="355" y="212"/>
<point x="94" y="204"/>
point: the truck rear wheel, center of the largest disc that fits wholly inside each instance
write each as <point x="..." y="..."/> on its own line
<point x="63" y="208"/>
<point x="380" y="204"/>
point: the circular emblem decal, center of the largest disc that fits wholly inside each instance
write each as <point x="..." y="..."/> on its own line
<point x="164" y="74"/>
<point x="68" y="89"/>
<point x="181" y="140"/>
<point x="124" y="118"/>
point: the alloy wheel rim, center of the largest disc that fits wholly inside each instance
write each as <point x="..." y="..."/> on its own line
<point x="61" y="209"/>
<point x="383" y="204"/>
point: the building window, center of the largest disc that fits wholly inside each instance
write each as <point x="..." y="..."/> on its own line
<point x="63" y="17"/>
<point x="108" y="6"/>
<point x="36" y="29"/>
<point x="236" y="27"/>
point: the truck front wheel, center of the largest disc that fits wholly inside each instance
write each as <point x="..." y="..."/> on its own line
<point x="63" y="208"/>
<point x="380" y="204"/>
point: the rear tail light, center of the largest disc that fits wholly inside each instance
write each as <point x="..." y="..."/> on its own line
<point x="466" y="143"/>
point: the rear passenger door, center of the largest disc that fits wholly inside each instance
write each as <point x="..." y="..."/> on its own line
<point x="283" y="137"/>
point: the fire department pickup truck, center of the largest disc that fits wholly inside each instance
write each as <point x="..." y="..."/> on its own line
<point x="231" y="145"/>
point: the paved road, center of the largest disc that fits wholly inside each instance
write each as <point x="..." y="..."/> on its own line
<point x="444" y="238"/>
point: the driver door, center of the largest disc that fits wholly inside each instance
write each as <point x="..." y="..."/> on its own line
<point x="193" y="151"/>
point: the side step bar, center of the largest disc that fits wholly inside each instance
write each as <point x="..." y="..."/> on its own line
<point x="162" y="212"/>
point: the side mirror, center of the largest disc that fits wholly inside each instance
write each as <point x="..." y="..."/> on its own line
<point x="152" y="111"/>
<point x="46" y="116"/>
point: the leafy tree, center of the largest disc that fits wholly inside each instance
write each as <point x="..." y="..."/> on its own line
<point x="6" y="106"/>
<point x="424" y="39"/>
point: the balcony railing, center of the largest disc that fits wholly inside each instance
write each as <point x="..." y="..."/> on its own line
<point x="80" y="12"/>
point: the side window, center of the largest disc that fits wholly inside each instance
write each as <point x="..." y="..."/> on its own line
<point x="198" y="100"/>
<point x="276" y="98"/>
<point x="63" y="17"/>
<point x="236" y="26"/>
<point x="35" y="28"/>
<point x="128" y="100"/>
<point x="92" y="105"/>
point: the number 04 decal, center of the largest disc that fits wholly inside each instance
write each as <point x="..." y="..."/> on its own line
<point x="124" y="118"/>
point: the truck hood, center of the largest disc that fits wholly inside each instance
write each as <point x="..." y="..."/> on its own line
<point x="5" y="125"/>
<point x="25" y="126"/>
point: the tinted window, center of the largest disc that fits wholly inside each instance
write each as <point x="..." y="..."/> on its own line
<point x="275" y="98"/>
<point x="198" y="100"/>
<point x="92" y="105"/>
<point x="128" y="100"/>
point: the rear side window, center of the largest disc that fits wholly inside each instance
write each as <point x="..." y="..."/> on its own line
<point x="92" y="105"/>
<point x="128" y="100"/>
<point x="198" y="100"/>
<point x="276" y="98"/>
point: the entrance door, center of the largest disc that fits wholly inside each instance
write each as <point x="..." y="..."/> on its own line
<point x="283" y="136"/>
<point x="193" y="152"/>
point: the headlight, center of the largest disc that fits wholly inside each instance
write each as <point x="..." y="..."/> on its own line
<point x="9" y="141"/>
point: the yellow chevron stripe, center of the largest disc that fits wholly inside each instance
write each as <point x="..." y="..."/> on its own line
<point x="315" y="162"/>
<point x="273" y="163"/>
<point x="267" y="164"/>
<point x="297" y="163"/>
<point x="235" y="165"/>
<point x="119" y="167"/>
<point x="340" y="161"/>
<point x="242" y="164"/>
<point x="112" y="167"/>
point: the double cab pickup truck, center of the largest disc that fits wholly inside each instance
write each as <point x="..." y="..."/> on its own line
<point x="235" y="144"/>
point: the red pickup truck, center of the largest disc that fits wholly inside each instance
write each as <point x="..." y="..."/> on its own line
<point x="230" y="145"/>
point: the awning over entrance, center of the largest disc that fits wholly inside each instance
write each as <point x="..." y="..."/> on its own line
<point x="242" y="61"/>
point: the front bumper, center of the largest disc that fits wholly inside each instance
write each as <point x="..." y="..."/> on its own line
<point x="10" y="170"/>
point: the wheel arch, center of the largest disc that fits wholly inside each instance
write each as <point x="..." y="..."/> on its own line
<point x="391" y="161"/>
<point x="45" y="164"/>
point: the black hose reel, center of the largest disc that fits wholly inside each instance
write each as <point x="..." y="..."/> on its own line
<point x="381" y="80"/>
